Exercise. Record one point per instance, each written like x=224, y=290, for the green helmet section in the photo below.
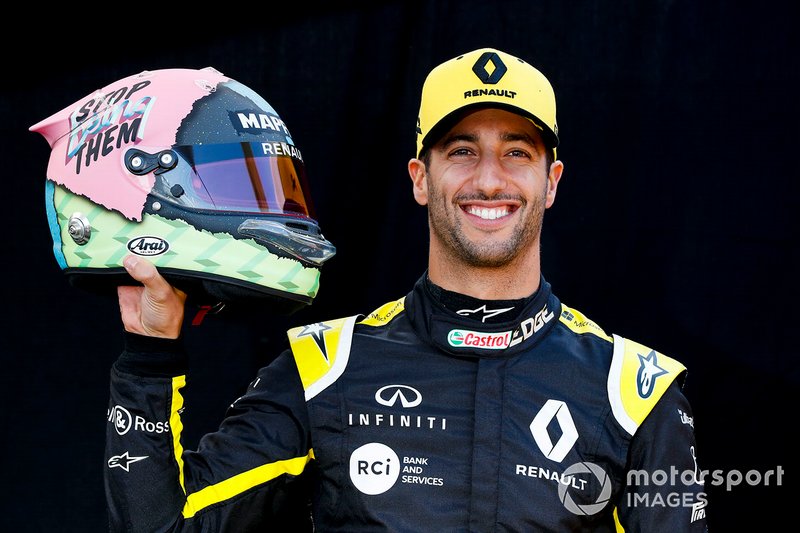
x=172, y=245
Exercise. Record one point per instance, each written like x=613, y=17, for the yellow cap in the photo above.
x=486, y=77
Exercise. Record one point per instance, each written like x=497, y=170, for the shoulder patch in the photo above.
x=385, y=313
x=636, y=381
x=577, y=322
x=321, y=351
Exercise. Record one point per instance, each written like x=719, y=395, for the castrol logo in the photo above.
x=462, y=338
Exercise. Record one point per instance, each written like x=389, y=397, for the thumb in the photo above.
x=141, y=270
x=158, y=308
x=146, y=273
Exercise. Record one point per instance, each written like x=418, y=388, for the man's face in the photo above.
x=487, y=187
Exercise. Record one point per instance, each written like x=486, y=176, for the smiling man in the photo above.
x=476, y=402
x=486, y=203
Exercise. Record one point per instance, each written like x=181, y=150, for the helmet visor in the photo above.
x=251, y=177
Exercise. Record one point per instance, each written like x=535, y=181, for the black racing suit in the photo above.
x=417, y=417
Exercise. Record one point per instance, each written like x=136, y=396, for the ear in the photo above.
x=553, y=177
x=419, y=178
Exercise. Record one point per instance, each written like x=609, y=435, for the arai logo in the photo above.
x=147, y=245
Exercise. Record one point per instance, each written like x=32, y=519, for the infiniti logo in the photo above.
x=396, y=395
x=408, y=396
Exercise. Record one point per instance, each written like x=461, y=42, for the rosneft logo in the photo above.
x=488, y=75
x=148, y=245
x=461, y=338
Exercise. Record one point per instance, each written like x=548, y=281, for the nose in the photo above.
x=490, y=176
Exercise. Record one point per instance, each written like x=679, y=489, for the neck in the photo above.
x=517, y=279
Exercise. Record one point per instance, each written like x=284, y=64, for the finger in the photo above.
x=130, y=307
x=142, y=271
x=146, y=273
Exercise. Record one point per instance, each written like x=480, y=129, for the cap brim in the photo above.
x=451, y=119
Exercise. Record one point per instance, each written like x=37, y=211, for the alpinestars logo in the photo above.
x=484, y=312
x=648, y=372
x=124, y=461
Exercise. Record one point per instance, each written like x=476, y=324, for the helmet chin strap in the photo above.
x=205, y=310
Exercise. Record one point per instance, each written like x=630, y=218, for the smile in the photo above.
x=488, y=213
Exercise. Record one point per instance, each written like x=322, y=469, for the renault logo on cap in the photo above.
x=493, y=75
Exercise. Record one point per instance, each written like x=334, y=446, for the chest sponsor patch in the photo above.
x=463, y=338
x=375, y=468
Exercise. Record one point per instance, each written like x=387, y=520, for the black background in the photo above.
x=675, y=222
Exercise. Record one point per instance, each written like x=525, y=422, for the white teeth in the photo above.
x=488, y=214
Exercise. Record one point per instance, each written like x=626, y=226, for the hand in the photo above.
x=154, y=309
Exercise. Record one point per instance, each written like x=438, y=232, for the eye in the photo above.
x=518, y=152
x=460, y=152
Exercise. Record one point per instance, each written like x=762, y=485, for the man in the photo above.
x=477, y=402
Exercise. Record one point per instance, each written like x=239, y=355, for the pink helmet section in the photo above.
x=89, y=138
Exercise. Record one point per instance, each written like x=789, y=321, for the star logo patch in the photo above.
x=317, y=332
x=648, y=372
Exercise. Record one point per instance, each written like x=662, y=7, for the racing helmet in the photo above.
x=192, y=170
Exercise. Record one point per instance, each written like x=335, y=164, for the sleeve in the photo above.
x=664, y=490
x=248, y=474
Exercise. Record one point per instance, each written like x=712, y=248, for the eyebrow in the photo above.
x=461, y=137
x=524, y=137
x=505, y=137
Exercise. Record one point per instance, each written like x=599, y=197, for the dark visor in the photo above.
x=254, y=177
